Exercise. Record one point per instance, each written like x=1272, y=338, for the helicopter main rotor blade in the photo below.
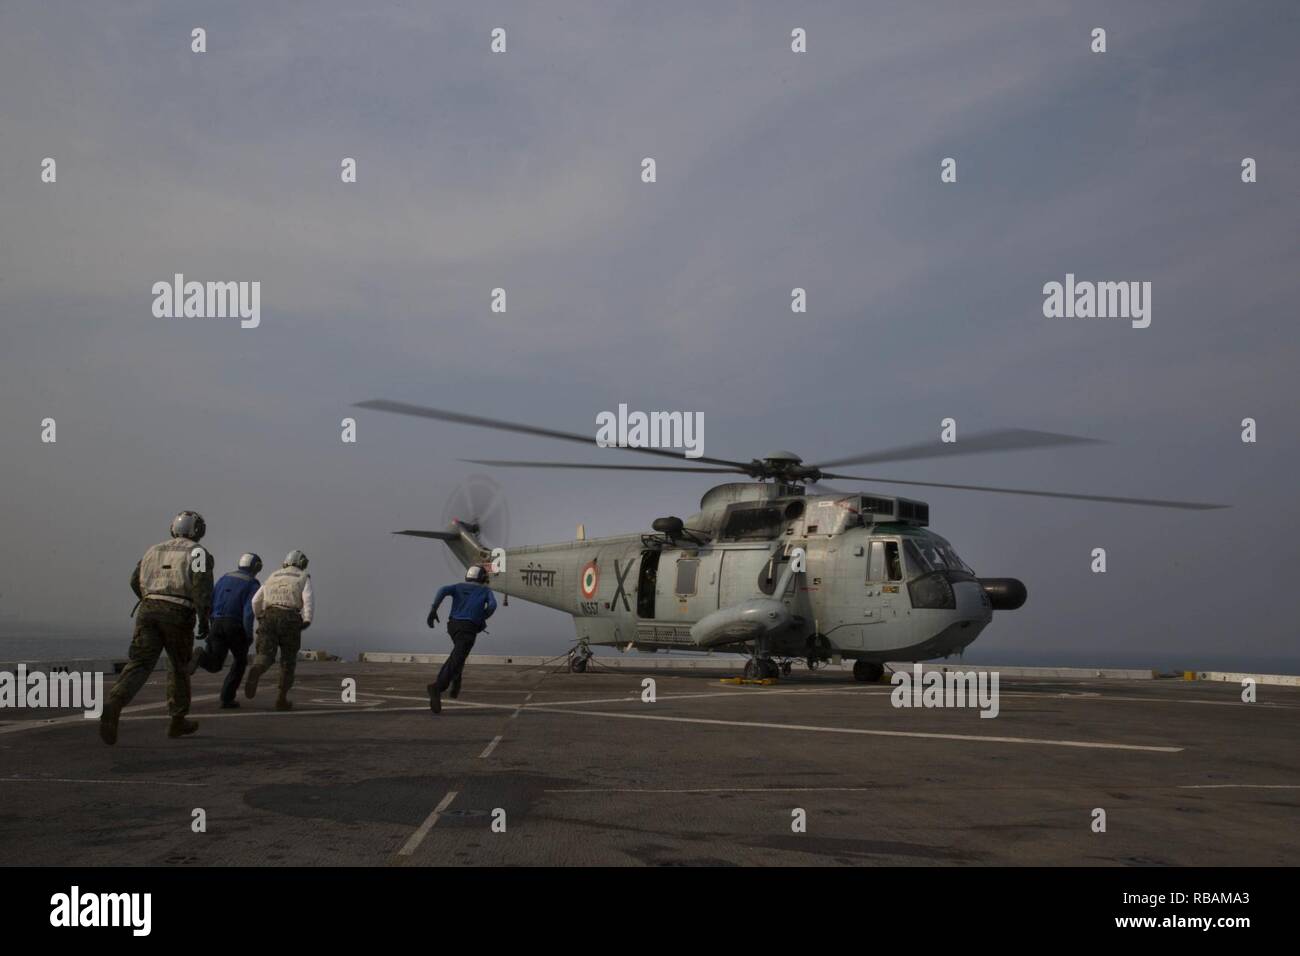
x=1110, y=499
x=1003, y=439
x=583, y=464
x=479, y=421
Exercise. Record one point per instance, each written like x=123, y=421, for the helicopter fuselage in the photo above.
x=762, y=567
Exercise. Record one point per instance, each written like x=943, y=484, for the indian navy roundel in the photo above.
x=590, y=580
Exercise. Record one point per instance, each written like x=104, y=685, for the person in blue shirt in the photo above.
x=232, y=627
x=472, y=603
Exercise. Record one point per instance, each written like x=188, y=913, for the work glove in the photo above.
x=432, y=619
x=305, y=625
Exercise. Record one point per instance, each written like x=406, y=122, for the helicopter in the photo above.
x=778, y=567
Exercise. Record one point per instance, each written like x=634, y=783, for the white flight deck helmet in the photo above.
x=474, y=574
x=295, y=559
x=189, y=524
x=250, y=562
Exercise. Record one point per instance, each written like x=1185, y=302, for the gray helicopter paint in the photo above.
x=859, y=619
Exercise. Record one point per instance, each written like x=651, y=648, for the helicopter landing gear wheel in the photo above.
x=868, y=672
x=760, y=668
x=579, y=666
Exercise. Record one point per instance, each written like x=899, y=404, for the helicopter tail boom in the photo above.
x=462, y=541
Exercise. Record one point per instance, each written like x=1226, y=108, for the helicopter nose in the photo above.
x=970, y=603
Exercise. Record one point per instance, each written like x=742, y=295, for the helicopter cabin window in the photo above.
x=749, y=524
x=688, y=569
x=884, y=563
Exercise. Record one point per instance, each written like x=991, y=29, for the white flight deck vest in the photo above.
x=165, y=573
x=284, y=588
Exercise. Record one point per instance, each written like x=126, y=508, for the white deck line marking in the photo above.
x=451, y=703
x=152, y=783
x=521, y=706
x=305, y=712
x=422, y=831
x=487, y=751
x=1174, y=700
x=360, y=702
x=699, y=790
x=1084, y=744
x=636, y=698
x=1240, y=786
x=873, y=691
x=722, y=790
x=21, y=725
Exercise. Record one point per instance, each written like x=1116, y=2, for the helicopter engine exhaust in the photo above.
x=1005, y=594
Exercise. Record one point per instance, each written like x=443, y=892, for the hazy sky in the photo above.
x=775, y=170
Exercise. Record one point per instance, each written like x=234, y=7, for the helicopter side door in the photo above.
x=685, y=589
x=647, y=582
x=844, y=609
x=885, y=597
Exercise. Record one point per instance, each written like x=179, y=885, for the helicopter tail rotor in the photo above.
x=478, y=505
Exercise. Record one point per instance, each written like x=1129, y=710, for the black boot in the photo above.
x=108, y=722
x=250, y=681
x=181, y=727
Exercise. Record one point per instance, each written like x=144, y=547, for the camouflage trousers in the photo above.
x=279, y=630
x=159, y=626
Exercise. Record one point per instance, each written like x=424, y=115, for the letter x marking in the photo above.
x=619, y=593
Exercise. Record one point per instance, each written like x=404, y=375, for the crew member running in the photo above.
x=472, y=603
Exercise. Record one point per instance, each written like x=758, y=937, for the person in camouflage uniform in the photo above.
x=173, y=582
x=283, y=606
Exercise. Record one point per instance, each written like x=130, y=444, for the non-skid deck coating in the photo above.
x=588, y=773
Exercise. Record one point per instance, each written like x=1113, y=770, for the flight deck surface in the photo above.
x=587, y=772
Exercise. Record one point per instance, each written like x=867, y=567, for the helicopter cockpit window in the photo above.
x=919, y=560
x=884, y=563
x=954, y=563
x=928, y=554
x=688, y=569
